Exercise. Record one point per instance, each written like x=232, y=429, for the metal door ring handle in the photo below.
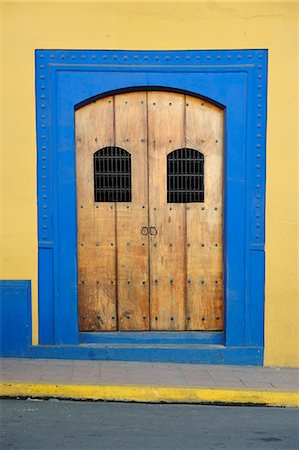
x=153, y=231
x=144, y=231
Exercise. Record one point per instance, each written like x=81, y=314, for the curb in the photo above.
x=150, y=394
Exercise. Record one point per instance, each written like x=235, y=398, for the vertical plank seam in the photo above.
x=115, y=230
x=148, y=217
x=95, y=288
x=185, y=233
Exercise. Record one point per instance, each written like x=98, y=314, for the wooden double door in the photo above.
x=149, y=213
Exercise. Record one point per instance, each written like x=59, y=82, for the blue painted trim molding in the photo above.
x=15, y=317
x=234, y=79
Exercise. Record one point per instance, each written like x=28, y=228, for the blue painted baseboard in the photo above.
x=15, y=317
x=192, y=354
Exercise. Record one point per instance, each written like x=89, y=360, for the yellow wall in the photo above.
x=141, y=25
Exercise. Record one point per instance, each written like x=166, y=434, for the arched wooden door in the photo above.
x=149, y=213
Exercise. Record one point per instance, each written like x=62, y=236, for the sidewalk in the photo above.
x=149, y=382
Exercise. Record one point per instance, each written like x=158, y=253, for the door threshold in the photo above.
x=150, y=337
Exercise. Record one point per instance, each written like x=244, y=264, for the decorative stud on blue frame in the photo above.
x=236, y=79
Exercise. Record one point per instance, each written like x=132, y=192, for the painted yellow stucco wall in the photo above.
x=148, y=26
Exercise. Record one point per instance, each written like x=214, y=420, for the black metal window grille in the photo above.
x=185, y=176
x=112, y=175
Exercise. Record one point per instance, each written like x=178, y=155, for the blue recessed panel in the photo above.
x=15, y=317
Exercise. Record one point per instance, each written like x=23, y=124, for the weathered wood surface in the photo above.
x=132, y=246
x=171, y=280
x=204, y=132
x=96, y=223
x=167, y=247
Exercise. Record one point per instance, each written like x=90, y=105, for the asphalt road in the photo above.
x=54, y=424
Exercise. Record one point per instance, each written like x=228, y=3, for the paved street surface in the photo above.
x=161, y=374
x=54, y=424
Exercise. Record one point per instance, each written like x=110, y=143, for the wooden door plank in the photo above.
x=167, y=248
x=132, y=246
x=96, y=222
x=204, y=132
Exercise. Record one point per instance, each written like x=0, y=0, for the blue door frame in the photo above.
x=237, y=80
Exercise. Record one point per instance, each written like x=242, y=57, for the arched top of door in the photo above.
x=148, y=89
